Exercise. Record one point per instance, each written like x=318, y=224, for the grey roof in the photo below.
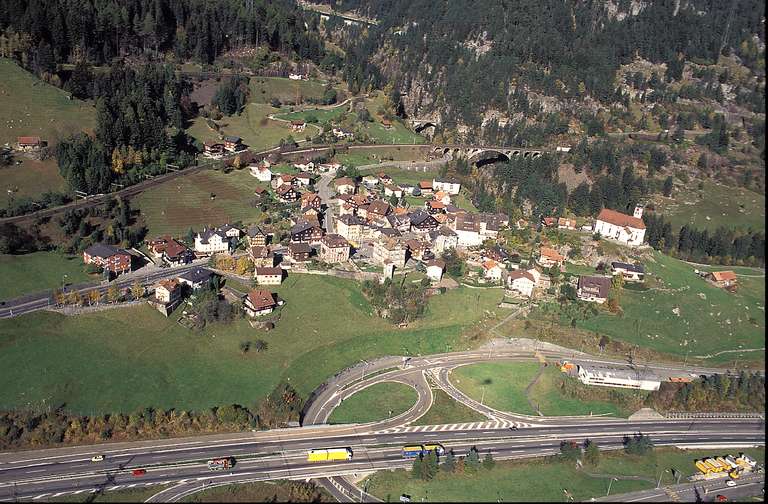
x=390, y=232
x=255, y=230
x=196, y=275
x=208, y=233
x=596, y=284
x=351, y=220
x=301, y=227
x=619, y=372
x=637, y=268
x=233, y=139
x=103, y=250
x=419, y=216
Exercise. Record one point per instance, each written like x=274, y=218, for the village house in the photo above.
x=261, y=172
x=401, y=222
x=425, y=186
x=495, y=253
x=261, y=256
x=370, y=181
x=449, y=185
x=298, y=125
x=259, y=192
x=212, y=241
x=443, y=197
x=350, y=227
x=422, y=222
x=491, y=224
x=296, y=76
x=564, y=223
x=392, y=190
x=384, y=177
x=233, y=143
x=345, y=185
x=467, y=228
x=328, y=167
x=306, y=232
x=417, y=248
x=443, y=238
x=434, y=207
x=342, y=133
x=287, y=194
x=311, y=200
x=259, y=302
x=29, y=143
x=256, y=236
x=212, y=148
x=231, y=231
x=723, y=278
x=435, y=269
x=304, y=179
x=389, y=250
x=492, y=270
x=521, y=282
x=550, y=257
x=168, y=292
x=549, y=221
x=334, y=249
x=630, y=272
x=196, y=278
x=376, y=211
x=268, y=275
x=386, y=124
x=281, y=180
x=304, y=164
x=107, y=257
x=594, y=288
x=627, y=229
x=299, y=252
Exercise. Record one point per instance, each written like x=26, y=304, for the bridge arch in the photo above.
x=484, y=156
x=418, y=128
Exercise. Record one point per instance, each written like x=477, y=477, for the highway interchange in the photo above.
x=281, y=453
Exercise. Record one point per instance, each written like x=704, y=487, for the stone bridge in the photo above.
x=479, y=153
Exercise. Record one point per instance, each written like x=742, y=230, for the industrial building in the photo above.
x=607, y=376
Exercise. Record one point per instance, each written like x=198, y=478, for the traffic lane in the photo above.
x=458, y=441
x=246, y=445
x=747, y=486
x=281, y=467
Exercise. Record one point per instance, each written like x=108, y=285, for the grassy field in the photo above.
x=267, y=491
x=23, y=274
x=264, y=89
x=375, y=403
x=30, y=178
x=322, y=115
x=373, y=156
x=540, y=480
x=445, y=410
x=714, y=205
x=29, y=106
x=147, y=360
x=498, y=385
x=175, y=206
x=708, y=319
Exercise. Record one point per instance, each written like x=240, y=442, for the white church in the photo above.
x=628, y=229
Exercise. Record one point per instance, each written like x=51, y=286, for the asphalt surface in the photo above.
x=747, y=486
x=282, y=455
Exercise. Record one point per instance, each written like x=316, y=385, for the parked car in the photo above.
x=730, y=483
x=139, y=472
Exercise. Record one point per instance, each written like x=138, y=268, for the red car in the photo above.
x=721, y=498
x=139, y=472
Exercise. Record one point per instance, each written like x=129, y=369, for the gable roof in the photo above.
x=343, y=181
x=518, y=274
x=260, y=251
x=299, y=248
x=620, y=219
x=254, y=231
x=268, y=271
x=637, y=268
x=261, y=299
x=551, y=254
x=379, y=207
x=334, y=240
x=601, y=284
x=104, y=251
x=723, y=276
x=196, y=275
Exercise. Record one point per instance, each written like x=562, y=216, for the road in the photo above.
x=747, y=486
x=325, y=192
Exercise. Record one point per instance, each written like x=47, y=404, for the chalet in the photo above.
x=283, y=179
x=233, y=143
x=350, y=227
x=384, y=177
x=328, y=167
x=392, y=190
x=549, y=221
x=306, y=232
x=287, y=194
x=261, y=256
x=341, y=134
x=400, y=222
x=627, y=229
x=261, y=172
x=231, y=231
x=259, y=192
x=157, y=246
x=259, y=302
x=422, y=222
x=492, y=270
x=443, y=197
x=425, y=186
x=345, y=185
x=211, y=241
x=29, y=143
x=376, y=211
x=630, y=272
x=417, y=248
x=298, y=125
x=521, y=282
x=212, y=148
x=370, y=181
x=196, y=278
x=467, y=228
x=177, y=253
x=434, y=207
x=443, y=238
x=304, y=164
x=449, y=185
x=549, y=257
x=168, y=292
x=389, y=250
x=268, y=275
x=435, y=269
x=496, y=253
x=299, y=252
x=107, y=257
x=564, y=223
x=304, y=179
x=334, y=249
x=723, y=278
x=256, y=236
x=594, y=288
x=408, y=189
x=311, y=200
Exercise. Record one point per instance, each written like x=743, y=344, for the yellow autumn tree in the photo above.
x=118, y=163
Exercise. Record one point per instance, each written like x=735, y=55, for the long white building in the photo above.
x=605, y=376
x=629, y=229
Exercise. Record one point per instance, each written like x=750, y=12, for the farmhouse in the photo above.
x=268, y=275
x=233, y=143
x=211, y=241
x=627, y=229
x=110, y=258
x=342, y=133
x=29, y=143
x=563, y=223
x=594, y=288
x=345, y=185
x=261, y=172
x=281, y=180
x=334, y=248
x=435, y=269
x=630, y=272
x=196, y=278
x=304, y=179
x=723, y=278
x=521, y=282
x=550, y=257
x=449, y=185
x=425, y=186
x=492, y=270
x=298, y=125
x=299, y=252
x=304, y=164
x=212, y=148
x=259, y=302
x=306, y=232
x=287, y=194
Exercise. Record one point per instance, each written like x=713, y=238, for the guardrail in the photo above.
x=684, y=414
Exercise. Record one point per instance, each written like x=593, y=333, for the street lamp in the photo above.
x=658, y=483
x=609, y=486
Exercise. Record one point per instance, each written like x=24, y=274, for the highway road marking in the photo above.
x=113, y=488
x=40, y=496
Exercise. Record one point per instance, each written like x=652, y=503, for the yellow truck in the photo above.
x=704, y=468
x=329, y=454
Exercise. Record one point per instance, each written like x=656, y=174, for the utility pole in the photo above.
x=609, y=486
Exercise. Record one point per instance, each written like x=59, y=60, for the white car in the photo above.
x=730, y=483
x=97, y=458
